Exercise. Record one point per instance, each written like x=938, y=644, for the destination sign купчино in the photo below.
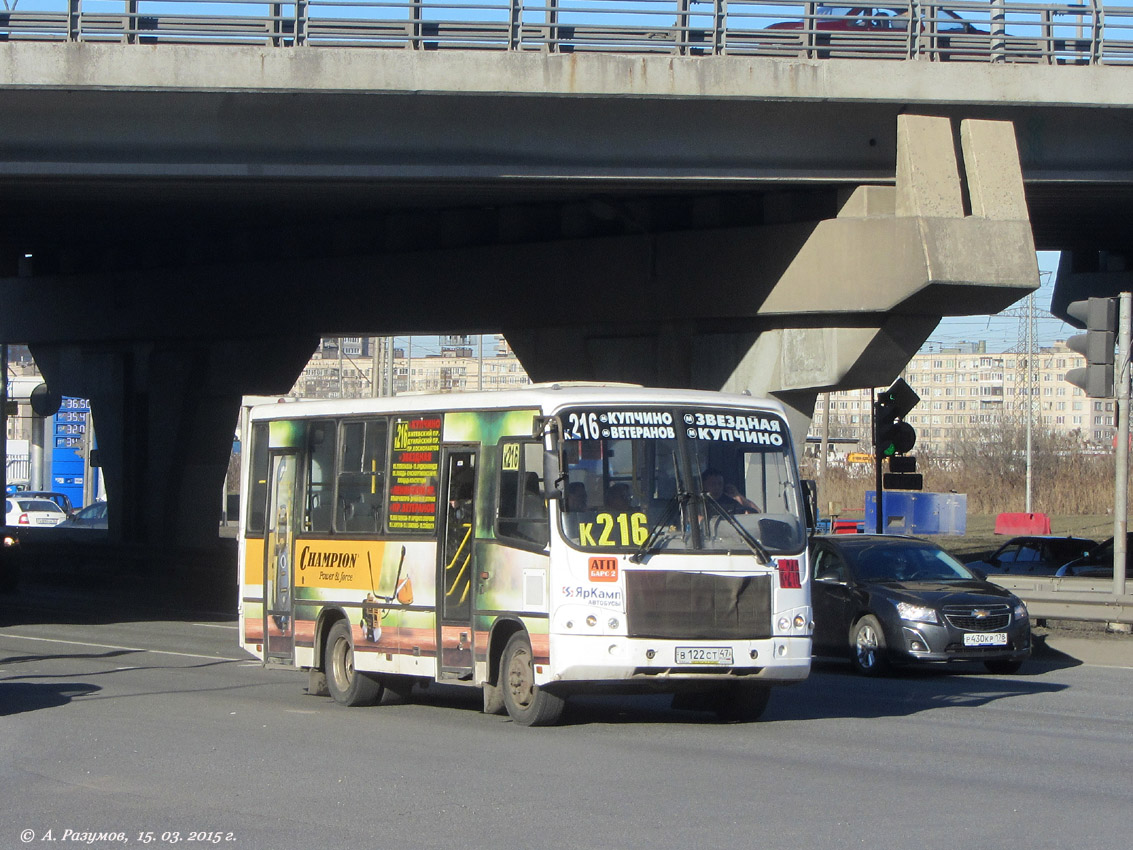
x=619, y=425
x=757, y=429
x=714, y=426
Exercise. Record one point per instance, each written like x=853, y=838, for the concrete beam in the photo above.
x=896, y=259
x=325, y=70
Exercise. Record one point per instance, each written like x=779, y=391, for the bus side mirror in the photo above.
x=810, y=502
x=548, y=429
x=553, y=478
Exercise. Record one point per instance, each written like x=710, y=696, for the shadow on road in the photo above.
x=92, y=585
x=833, y=691
x=19, y=697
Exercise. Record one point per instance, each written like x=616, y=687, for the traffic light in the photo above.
x=902, y=474
x=893, y=437
x=892, y=434
x=1099, y=315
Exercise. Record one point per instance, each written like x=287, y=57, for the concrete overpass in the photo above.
x=181, y=222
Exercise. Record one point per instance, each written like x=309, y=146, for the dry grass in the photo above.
x=1084, y=483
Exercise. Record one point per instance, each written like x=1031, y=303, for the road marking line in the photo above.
x=113, y=646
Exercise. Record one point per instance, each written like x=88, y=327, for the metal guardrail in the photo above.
x=1069, y=598
x=997, y=31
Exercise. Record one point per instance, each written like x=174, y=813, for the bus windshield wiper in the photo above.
x=761, y=553
x=658, y=529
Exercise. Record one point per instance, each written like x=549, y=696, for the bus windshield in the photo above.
x=680, y=480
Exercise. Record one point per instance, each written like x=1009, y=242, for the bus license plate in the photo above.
x=704, y=655
x=986, y=639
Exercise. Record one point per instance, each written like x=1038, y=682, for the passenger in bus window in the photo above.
x=619, y=498
x=729, y=497
x=576, y=497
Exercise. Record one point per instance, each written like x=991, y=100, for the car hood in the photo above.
x=938, y=593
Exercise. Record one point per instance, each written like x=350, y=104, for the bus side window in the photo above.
x=362, y=477
x=522, y=510
x=320, y=478
x=258, y=491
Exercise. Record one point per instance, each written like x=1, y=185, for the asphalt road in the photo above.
x=116, y=720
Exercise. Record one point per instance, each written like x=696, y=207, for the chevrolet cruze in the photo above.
x=885, y=600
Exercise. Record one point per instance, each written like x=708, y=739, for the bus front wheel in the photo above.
x=526, y=703
x=346, y=685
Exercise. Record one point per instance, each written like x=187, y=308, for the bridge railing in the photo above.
x=999, y=31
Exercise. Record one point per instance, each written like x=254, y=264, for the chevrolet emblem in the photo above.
x=980, y=613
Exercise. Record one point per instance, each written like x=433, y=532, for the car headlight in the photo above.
x=917, y=613
x=1020, y=610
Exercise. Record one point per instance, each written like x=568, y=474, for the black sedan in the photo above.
x=1098, y=562
x=886, y=599
x=1040, y=555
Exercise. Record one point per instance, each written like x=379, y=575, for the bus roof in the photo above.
x=547, y=398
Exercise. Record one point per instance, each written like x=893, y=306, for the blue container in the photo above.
x=915, y=512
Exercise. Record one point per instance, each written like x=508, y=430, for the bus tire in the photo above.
x=347, y=686
x=493, y=700
x=527, y=704
x=743, y=702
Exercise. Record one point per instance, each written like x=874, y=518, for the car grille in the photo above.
x=978, y=618
x=685, y=606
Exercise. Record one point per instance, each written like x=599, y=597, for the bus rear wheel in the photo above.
x=526, y=703
x=346, y=685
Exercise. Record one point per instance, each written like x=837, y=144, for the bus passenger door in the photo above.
x=279, y=549
x=456, y=565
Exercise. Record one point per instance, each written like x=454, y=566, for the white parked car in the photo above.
x=25, y=511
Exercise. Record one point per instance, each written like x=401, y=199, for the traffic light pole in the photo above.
x=879, y=494
x=1121, y=485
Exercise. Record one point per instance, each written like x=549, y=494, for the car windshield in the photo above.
x=667, y=479
x=41, y=505
x=887, y=561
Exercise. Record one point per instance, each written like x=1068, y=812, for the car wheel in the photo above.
x=1003, y=668
x=347, y=685
x=526, y=702
x=867, y=647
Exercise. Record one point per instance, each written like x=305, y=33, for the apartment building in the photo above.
x=440, y=365
x=966, y=390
